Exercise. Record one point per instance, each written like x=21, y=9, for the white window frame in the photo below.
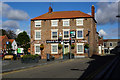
x=35, y=34
x=54, y=30
x=79, y=20
x=111, y=43
x=38, y=21
x=51, y=49
x=66, y=20
x=52, y=23
x=68, y=33
x=35, y=48
x=82, y=46
x=82, y=33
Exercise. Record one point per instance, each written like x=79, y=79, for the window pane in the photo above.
x=37, y=23
x=79, y=34
x=66, y=34
x=37, y=48
x=79, y=22
x=38, y=35
x=66, y=23
x=54, y=48
x=54, y=23
x=54, y=34
x=80, y=48
x=110, y=44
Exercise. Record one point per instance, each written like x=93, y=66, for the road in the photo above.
x=116, y=72
x=74, y=68
x=67, y=69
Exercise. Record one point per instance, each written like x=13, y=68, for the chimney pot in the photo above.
x=93, y=11
x=50, y=10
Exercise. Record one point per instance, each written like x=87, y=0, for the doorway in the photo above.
x=66, y=48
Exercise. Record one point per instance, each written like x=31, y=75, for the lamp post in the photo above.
x=88, y=42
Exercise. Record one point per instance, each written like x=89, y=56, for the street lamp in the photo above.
x=88, y=42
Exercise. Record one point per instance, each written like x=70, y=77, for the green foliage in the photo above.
x=72, y=46
x=30, y=57
x=22, y=40
x=41, y=47
x=86, y=46
x=59, y=46
x=9, y=33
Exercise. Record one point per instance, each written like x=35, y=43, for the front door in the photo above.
x=66, y=49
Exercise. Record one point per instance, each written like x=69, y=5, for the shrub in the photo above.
x=72, y=46
x=59, y=46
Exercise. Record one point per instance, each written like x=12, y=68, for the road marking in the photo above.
x=47, y=64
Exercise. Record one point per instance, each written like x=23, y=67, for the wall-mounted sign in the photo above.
x=73, y=34
x=81, y=40
x=7, y=42
x=56, y=41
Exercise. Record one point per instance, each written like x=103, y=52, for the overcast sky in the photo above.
x=16, y=15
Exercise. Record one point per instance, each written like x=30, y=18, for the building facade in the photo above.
x=3, y=44
x=110, y=44
x=47, y=28
x=14, y=45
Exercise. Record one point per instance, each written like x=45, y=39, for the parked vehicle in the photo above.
x=10, y=56
x=1, y=55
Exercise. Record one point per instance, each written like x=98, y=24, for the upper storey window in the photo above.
x=54, y=22
x=38, y=23
x=79, y=22
x=66, y=22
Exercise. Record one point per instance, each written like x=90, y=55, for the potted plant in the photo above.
x=41, y=47
x=72, y=46
x=59, y=46
x=86, y=46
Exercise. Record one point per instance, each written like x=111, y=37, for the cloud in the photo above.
x=107, y=12
x=102, y=33
x=18, y=31
x=10, y=13
x=10, y=24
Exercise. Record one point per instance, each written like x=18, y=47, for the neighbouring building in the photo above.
x=47, y=28
x=14, y=45
x=110, y=44
x=3, y=44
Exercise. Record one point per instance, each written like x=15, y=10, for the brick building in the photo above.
x=3, y=43
x=46, y=29
x=110, y=44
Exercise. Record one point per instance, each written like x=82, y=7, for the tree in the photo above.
x=23, y=41
x=9, y=33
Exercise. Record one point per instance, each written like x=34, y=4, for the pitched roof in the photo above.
x=2, y=37
x=113, y=40
x=62, y=15
x=11, y=40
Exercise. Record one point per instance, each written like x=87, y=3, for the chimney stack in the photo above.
x=93, y=11
x=50, y=10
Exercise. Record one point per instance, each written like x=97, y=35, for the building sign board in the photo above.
x=20, y=50
x=73, y=34
x=56, y=41
x=7, y=42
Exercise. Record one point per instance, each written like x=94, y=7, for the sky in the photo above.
x=16, y=15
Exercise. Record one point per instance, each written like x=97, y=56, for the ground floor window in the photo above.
x=54, y=48
x=37, y=48
x=80, y=48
